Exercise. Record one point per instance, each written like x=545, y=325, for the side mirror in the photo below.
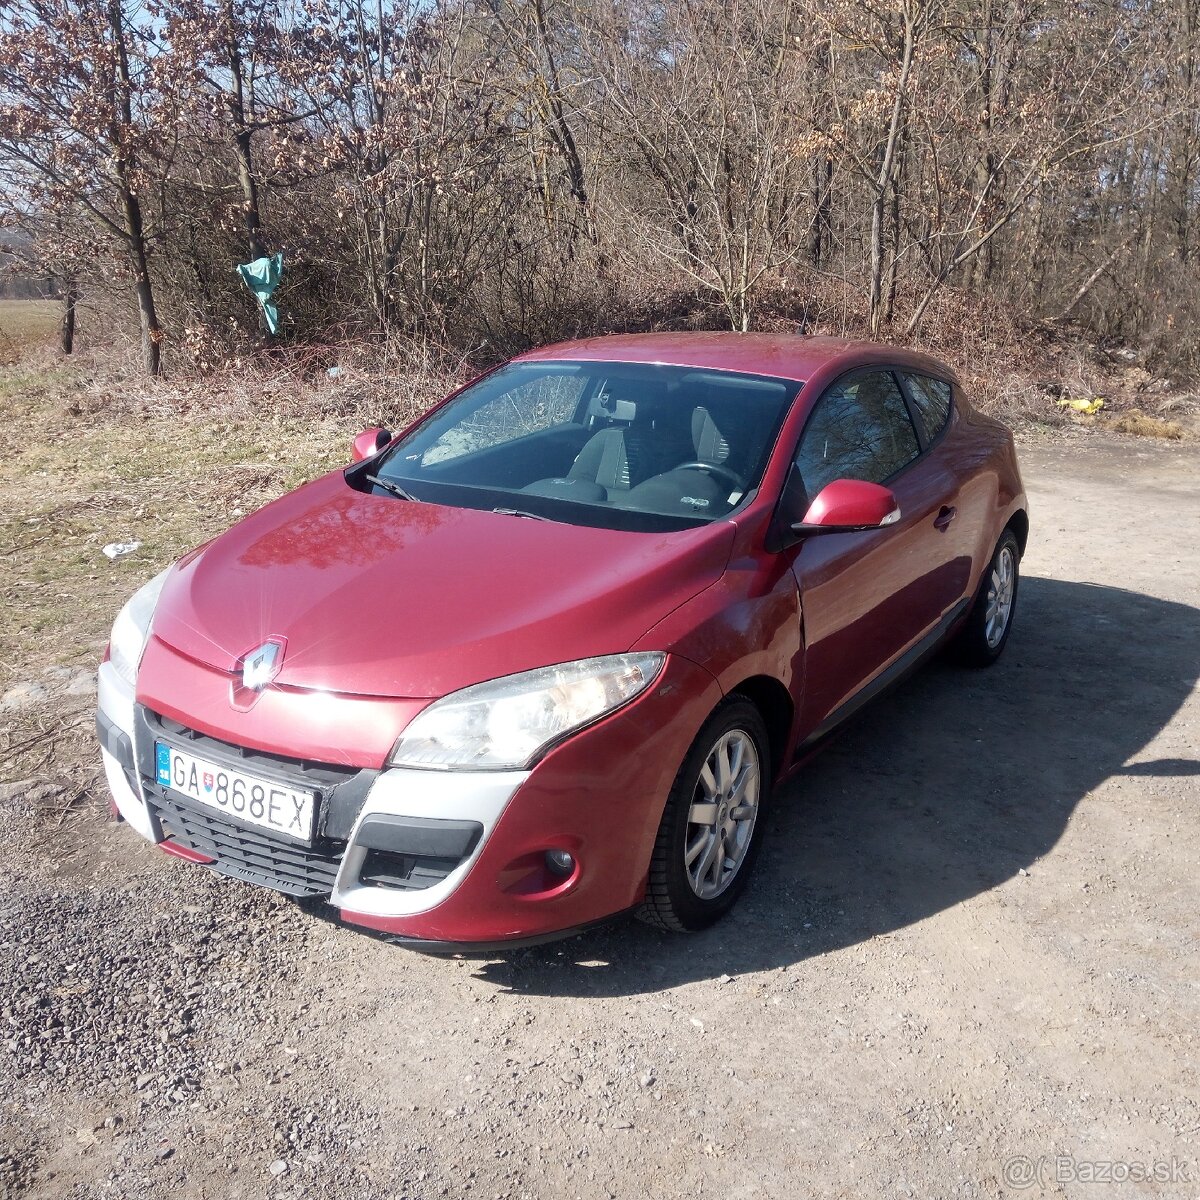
x=848, y=505
x=369, y=443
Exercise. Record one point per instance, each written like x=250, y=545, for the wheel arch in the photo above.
x=1019, y=524
x=774, y=704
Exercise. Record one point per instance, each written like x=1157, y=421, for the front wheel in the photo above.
x=983, y=638
x=711, y=826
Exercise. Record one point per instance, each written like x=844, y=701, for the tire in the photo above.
x=684, y=893
x=982, y=639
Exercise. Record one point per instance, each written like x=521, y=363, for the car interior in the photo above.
x=688, y=444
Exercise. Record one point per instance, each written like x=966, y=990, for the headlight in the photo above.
x=131, y=629
x=509, y=722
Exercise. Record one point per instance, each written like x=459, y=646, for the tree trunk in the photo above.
x=135, y=229
x=981, y=268
x=1185, y=150
x=893, y=262
x=820, y=241
x=243, y=150
x=151, y=334
x=877, y=262
x=253, y=222
x=560, y=129
x=819, y=236
x=140, y=263
x=70, y=298
x=885, y=178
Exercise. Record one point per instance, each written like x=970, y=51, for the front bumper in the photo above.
x=439, y=860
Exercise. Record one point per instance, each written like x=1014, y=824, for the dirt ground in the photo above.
x=967, y=966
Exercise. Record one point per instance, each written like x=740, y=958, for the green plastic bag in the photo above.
x=262, y=277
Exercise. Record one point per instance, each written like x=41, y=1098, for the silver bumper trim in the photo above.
x=447, y=795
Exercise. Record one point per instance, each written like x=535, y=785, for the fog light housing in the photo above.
x=560, y=863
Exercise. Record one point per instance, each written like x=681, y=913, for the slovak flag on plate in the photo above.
x=208, y=781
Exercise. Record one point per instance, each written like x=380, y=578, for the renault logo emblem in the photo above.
x=260, y=666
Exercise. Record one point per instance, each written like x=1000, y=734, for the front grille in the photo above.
x=414, y=853
x=297, y=772
x=241, y=850
x=245, y=853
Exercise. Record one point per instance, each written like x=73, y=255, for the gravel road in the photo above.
x=967, y=966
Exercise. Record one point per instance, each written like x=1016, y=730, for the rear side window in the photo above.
x=931, y=399
x=859, y=429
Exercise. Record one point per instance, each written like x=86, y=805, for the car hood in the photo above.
x=385, y=597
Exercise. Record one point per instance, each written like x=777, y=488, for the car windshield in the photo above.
x=616, y=445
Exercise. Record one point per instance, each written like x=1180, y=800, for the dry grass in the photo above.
x=89, y=459
x=1143, y=425
x=25, y=323
x=90, y=456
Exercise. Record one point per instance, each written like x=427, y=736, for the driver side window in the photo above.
x=860, y=429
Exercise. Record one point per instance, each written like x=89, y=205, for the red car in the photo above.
x=542, y=657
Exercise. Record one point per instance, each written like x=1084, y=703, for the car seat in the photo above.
x=688, y=488
x=612, y=460
x=707, y=440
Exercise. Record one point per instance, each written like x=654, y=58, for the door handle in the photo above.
x=943, y=519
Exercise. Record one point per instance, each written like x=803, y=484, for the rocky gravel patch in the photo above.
x=53, y=682
x=171, y=1009
x=79, y=1003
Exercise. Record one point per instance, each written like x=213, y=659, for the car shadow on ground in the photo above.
x=948, y=786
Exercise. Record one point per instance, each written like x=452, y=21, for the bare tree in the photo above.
x=406, y=128
x=474, y=172
x=84, y=123
x=705, y=94
x=544, y=96
x=242, y=62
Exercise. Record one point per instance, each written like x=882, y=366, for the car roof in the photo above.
x=782, y=355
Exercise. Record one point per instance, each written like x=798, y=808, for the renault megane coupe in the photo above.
x=542, y=657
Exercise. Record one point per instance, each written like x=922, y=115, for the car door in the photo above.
x=868, y=597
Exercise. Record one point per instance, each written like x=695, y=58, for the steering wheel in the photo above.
x=715, y=469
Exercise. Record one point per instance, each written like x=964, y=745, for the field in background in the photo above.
x=25, y=323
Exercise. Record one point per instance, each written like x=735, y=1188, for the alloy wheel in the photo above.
x=723, y=813
x=1001, y=587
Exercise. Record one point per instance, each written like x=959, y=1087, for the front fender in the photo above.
x=747, y=624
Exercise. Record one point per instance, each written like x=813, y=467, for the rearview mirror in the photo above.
x=369, y=443
x=848, y=505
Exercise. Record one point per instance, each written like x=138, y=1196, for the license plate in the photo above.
x=245, y=797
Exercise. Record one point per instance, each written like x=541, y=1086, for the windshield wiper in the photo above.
x=394, y=488
x=519, y=512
